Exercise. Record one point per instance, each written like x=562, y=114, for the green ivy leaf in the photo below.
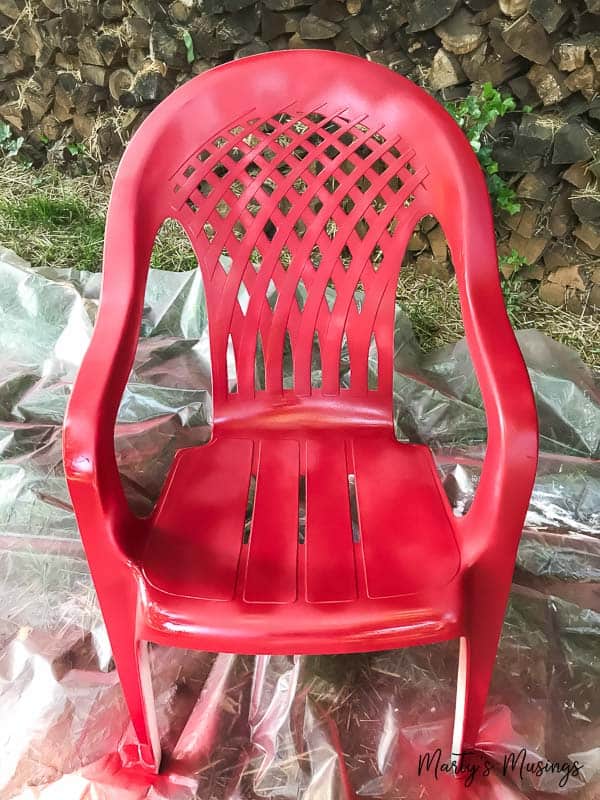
x=514, y=259
x=475, y=114
x=189, y=46
x=75, y=149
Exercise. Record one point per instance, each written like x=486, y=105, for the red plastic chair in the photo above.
x=293, y=173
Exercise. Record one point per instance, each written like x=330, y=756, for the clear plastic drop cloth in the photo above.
x=371, y=725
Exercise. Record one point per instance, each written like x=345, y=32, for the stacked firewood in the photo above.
x=78, y=76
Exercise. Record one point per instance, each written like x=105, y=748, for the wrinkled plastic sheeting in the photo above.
x=320, y=728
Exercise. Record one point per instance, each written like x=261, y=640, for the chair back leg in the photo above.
x=486, y=599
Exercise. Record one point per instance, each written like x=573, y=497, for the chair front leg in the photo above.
x=120, y=604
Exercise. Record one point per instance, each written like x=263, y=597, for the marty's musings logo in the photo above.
x=515, y=763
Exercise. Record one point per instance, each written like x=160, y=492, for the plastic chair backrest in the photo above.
x=301, y=218
x=299, y=200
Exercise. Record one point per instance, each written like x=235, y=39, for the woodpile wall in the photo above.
x=88, y=71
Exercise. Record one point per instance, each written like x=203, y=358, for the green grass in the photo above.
x=54, y=220
x=48, y=230
x=41, y=211
x=50, y=219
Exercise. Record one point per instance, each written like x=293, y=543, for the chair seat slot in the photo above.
x=406, y=534
x=273, y=548
x=330, y=569
x=197, y=530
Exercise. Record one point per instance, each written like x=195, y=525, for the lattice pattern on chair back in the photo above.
x=299, y=222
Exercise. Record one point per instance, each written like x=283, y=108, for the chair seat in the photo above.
x=330, y=524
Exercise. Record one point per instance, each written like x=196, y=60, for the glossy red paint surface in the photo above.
x=299, y=177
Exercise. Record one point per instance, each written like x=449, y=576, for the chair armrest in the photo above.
x=496, y=516
x=457, y=196
x=104, y=518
